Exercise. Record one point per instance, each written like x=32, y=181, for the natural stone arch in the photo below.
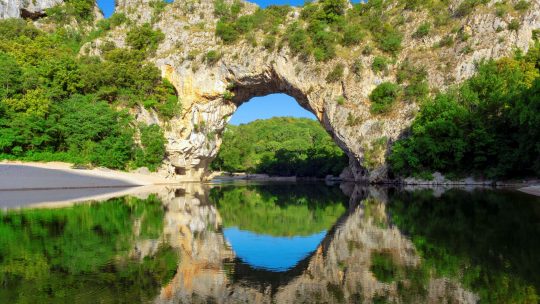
x=209, y=117
x=342, y=107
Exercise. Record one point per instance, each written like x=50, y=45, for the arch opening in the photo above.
x=209, y=106
x=269, y=106
x=276, y=135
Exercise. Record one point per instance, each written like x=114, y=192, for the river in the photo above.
x=275, y=243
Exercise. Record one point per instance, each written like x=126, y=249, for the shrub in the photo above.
x=158, y=7
x=11, y=80
x=417, y=90
x=144, y=38
x=228, y=95
x=323, y=42
x=333, y=9
x=379, y=64
x=383, y=97
x=352, y=35
x=212, y=57
x=269, y=42
x=501, y=9
x=152, y=147
x=221, y=9
x=390, y=40
x=227, y=32
x=336, y=74
x=117, y=19
x=513, y=25
x=244, y=24
x=423, y=30
x=467, y=6
x=298, y=40
x=522, y=5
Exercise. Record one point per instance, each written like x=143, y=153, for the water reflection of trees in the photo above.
x=84, y=253
x=485, y=239
x=364, y=259
x=388, y=246
x=279, y=210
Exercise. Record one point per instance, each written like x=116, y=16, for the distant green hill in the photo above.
x=281, y=146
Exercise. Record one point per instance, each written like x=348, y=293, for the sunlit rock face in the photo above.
x=25, y=8
x=248, y=71
x=345, y=267
x=211, y=92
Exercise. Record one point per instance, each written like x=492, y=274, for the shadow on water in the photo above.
x=373, y=245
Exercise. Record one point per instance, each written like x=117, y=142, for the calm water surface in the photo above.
x=276, y=243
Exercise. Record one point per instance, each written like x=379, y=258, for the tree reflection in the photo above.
x=83, y=253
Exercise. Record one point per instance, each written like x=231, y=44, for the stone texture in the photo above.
x=194, y=136
x=14, y=8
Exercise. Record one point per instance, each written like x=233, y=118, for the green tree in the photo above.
x=280, y=146
x=383, y=97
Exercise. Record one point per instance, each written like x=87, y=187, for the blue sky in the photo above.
x=259, y=107
x=269, y=106
x=107, y=6
x=271, y=252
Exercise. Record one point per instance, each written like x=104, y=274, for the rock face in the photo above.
x=25, y=8
x=211, y=91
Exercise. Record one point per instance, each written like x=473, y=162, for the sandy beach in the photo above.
x=37, y=176
x=24, y=184
x=534, y=190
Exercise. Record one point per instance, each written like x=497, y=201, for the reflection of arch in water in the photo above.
x=247, y=275
x=340, y=267
x=280, y=210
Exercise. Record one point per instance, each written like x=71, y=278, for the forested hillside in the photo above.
x=489, y=126
x=56, y=104
x=281, y=146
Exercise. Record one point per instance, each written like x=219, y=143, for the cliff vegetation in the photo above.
x=59, y=105
x=488, y=126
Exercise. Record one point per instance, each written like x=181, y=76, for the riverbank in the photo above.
x=533, y=190
x=221, y=176
x=16, y=175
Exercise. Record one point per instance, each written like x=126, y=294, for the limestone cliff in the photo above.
x=211, y=90
x=25, y=8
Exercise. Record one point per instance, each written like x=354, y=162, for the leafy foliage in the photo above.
x=144, y=38
x=82, y=253
x=81, y=10
x=57, y=105
x=488, y=125
x=280, y=146
x=152, y=149
x=383, y=97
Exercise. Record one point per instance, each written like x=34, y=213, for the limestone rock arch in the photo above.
x=210, y=92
